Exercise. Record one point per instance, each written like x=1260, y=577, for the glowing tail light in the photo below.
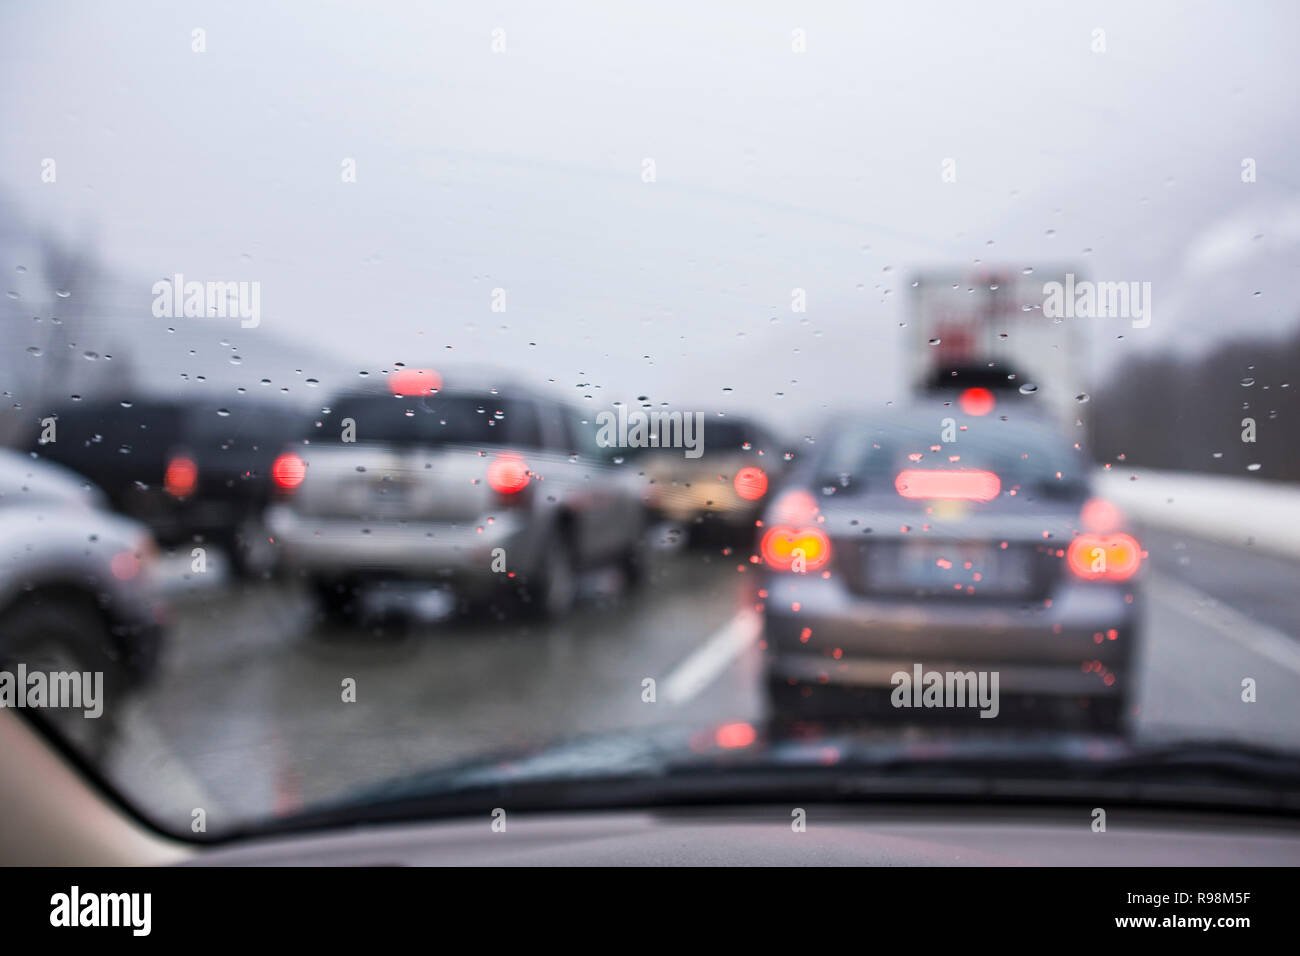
x=288, y=471
x=750, y=483
x=1113, y=557
x=181, y=477
x=733, y=736
x=789, y=549
x=125, y=565
x=508, y=475
x=1100, y=516
x=414, y=381
x=933, y=485
x=976, y=401
x=795, y=507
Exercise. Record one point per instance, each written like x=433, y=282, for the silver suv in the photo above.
x=78, y=587
x=499, y=495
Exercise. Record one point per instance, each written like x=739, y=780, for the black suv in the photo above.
x=191, y=470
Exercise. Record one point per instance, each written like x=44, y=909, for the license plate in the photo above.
x=936, y=567
x=389, y=494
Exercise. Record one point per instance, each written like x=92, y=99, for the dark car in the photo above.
x=191, y=470
x=936, y=542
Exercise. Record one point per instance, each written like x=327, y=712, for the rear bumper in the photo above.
x=1081, y=643
x=462, y=552
x=173, y=522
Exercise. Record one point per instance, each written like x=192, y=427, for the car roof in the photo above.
x=920, y=416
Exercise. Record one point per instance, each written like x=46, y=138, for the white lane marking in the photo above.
x=1232, y=624
x=712, y=657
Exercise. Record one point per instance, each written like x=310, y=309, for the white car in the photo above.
x=483, y=493
x=77, y=582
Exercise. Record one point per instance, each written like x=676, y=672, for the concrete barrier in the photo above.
x=1245, y=512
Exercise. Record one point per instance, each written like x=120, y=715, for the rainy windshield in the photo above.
x=412, y=389
x=864, y=456
x=425, y=420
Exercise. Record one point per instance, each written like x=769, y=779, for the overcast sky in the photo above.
x=774, y=170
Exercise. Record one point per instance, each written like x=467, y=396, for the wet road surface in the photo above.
x=247, y=718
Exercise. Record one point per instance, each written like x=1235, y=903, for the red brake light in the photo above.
x=288, y=471
x=125, y=565
x=795, y=507
x=976, y=401
x=1100, y=516
x=508, y=474
x=779, y=545
x=1114, y=556
x=732, y=736
x=414, y=381
x=969, y=485
x=181, y=477
x=750, y=483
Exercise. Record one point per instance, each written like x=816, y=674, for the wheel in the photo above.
x=250, y=550
x=338, y=601
x=635, y=560
x=633, y=565
x=552, y=589
x=61, y=632
x=784, y=701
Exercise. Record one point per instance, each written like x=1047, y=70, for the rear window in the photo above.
x=861, y=458
x=244, y=427
x=122, y=436
x=431, y=420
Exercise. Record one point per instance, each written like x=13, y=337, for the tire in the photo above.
x=552, y=589
x=784, y=702
x=338, y=601
x=252, y=557
x=62, y=630
x=633, y=565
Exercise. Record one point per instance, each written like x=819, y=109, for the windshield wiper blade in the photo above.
x=653, y=769
x=1237, y=762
